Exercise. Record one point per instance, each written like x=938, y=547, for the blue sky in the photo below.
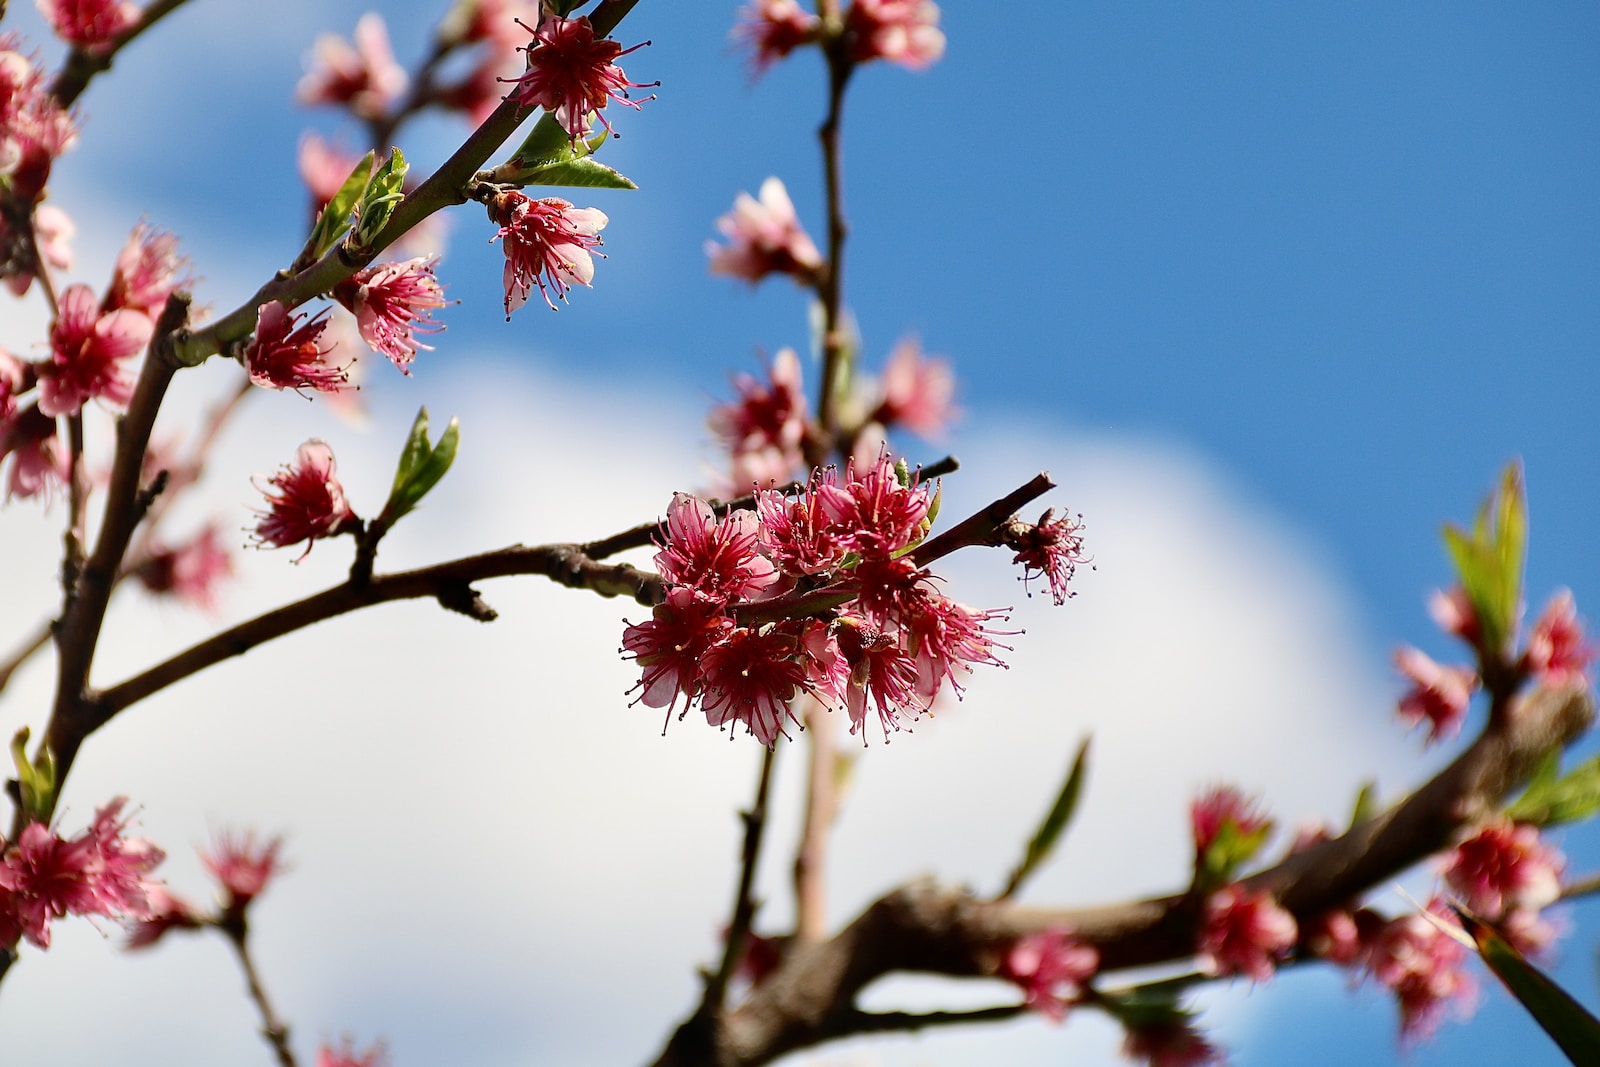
x=1347, y=255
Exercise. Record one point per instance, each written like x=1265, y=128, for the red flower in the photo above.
x=391, y=304
x=1052, y=548
x=771, y=29
x=34, y=129
x=765, y=237
x=1052, y=967
x=89, y=24
x=346, y=1056
x=717, y=557
x=191, y=571
x=1439, y=695
x=763, y=429
x=1557, y=654
x=284, y=353
x=1424, y=967
x=548, y=243
x=670, y=644
x=918, y=392
x=148, y=270
x=751, y=677
x=1224, y=806
x=901, y=31
x=366, y=78
x=241, y=865
x=1244, y=933
x=1505, y=866
x=86, y=353
x=305, y=501
x=571, y=73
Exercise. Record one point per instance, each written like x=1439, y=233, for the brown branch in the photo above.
x=273, y=1029
x=830, y=288
x=821, y=812
x=25, y=651
x=937, y=929
x=982, y=528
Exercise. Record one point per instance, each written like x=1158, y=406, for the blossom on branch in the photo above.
x=1557, y=654
x=148, y=270
x=391, y=303
x=87, y=349
x=1244, y=932
x=34, y=129
x=1051, y=547
x=1505, y=866
x=548, y=243
x=771, y=29
x=91, y=25
x=305, y=502
x=918, y=392
x=572, y=73
x=1438, y=695
x=1052, y=967
x=241, y=865
x=39, y=463
x=763, y=430
x=285, y=354
x=765, y=237
x=366, y=78
x=1424, y=967
x=902, y=31
x=191, y=571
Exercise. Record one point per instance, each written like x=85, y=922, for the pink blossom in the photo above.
x=391, y=304
x=548, y=243
x=571, y=73
x=1503, y=866
x=1170, y=1044
x=15, y=378
x=284, y=353
x=1439, y=695
x=669, y=646
x=1529, y=931
x=1557, y=653
x=86, y=353
x=148, y=270
x=796, y=535
x=34, y=129
x=241, y=865
x=880, y=670
x=902, y=31
x=191, y=571
x=489, y=21
x=918, y=391
x=1244, y=932
x=1424, y=967
x=750, y=677
x=366, y=77
x=767, y=420
x=718, y=557
x=1225, y=807
x=99, y=872
x=39, y=463
x=305, y=501
x=91, y=25
x=883, y=515
x=946, y=636
x=1051, y=547
x=1052, y=967
x=54, y=230
x=1335, y=936
x=166, y=913
x=345, y=1055
x=765, y=237
x=771, y=29
x=1452, y=610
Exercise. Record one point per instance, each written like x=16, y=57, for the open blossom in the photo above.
x=771, y=29
x=285, y=354
x=38, y=461
x=1439, y=695
x=305, y=501
x=1221, y=807
x=1424, y=967
x=764, y=237
x=750, y=677
x=764, y=428
x=1170, y=1044
x=34, y=129
x=87, y=349
x=1051, y=547
x=717, y=557
x=548, y=243
x=902, y=31
x=391, y=303
x=918, y=391
x=1052, y=967
x=1244, y=932
x=366, y=77
x=345, y=1055
x=241, y=865
x=148, y=270
x=669, y=646
x=1557, y=653
x=166, y=913
x=191, y=571
x=1505, y=866
x=572, y=73
x=1452, y=610
x=89, y=24
x=99, y=872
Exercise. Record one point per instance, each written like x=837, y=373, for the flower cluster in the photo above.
x=1424, y=966
x=305, y=501
x=573, y=74
x=812, y=594
x=548, y=243
x=34, y=129
x=44, y=876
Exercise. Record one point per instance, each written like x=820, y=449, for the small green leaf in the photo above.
x=36, y=779
x=1552, y=799
x=1231, y=848
x=335, y=215
x=378, y=202
x=1489, y=559
x=421, y=467
x=1567, y=1022
x=1054, y=824
x=549, y=142
x=584, y=173
x=1366, y=804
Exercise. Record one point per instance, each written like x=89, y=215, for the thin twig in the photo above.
x=744, y=904
x=982, y=528
x=24, y=652
x=822, y=795
x=274, y=1029
x=81, y=66
x=835, y=372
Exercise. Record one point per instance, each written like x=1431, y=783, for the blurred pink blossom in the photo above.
x=91, y=25
x=771, y=29
x=1438, y=695
x=1052, y=967
x=305, y=501
x=1504, y=866
x=901, y=31
x=764, y=237
x=1557, y=653
x=1244, y=932
x=365, y=78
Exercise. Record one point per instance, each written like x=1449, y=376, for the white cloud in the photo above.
x=497, y=860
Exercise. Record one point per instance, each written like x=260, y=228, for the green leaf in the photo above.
x=1231, y=848
x=584, y=173
x=1552, y=799
x=1489, y=559
x=378, y=202
x=36, y=779
x=1567, y=1022
x=1366, y=804
x=1054, y=824
x=335, y=216
x=421, y=467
